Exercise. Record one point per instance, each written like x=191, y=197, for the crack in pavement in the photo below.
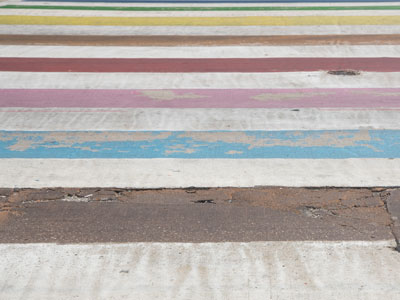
x=392, y=206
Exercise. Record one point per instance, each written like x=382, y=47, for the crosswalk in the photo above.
x=131, y=95
x=224, y=81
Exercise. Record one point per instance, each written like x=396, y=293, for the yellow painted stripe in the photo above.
x=202, y=21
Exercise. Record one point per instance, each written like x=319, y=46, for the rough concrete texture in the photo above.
x=347, y=270
x=196, y=215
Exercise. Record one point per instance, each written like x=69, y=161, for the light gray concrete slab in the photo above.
x=264, y=270
x=178, y=173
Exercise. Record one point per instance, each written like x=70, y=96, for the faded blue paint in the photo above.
x=220, y=144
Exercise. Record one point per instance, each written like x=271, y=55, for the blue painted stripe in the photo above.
x=209, y=144
x=220, y=1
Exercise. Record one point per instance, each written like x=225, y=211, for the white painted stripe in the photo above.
x=200, y=52
x=345, y=270
x=197, y=30
x=117, y=4
x=179, y=173
x=101, y=13
x=175, y=119
x=69, y=80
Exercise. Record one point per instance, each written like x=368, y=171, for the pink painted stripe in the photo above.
x=202, y=98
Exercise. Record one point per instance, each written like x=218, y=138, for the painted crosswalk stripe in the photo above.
x=242, y=2
x=191, y=4
x=383, y=98
x=201, y=21
x=194, y=13
x=204, y=65
x=185, y=7
x=333, y=40
x=207, y=145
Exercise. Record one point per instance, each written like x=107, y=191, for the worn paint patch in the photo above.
x=375, y=92
x=273, y=96
x=290, y=138
x=168, y=95
x=234, y=152
x=202, y=144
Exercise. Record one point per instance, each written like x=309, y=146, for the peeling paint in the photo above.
x=187, y=151
x=293, y=139
x=179, y=148
x=234, y=152
x=25, y=141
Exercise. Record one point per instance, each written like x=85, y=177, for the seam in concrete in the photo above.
x=387, y=197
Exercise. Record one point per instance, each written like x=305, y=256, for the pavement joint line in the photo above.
x=392, y=205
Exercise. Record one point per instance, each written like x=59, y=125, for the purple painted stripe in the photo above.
x=203, y=98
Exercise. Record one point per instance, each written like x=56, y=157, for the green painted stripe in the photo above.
x=267, y=8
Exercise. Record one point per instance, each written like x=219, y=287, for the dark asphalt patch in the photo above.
x=196, y=215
